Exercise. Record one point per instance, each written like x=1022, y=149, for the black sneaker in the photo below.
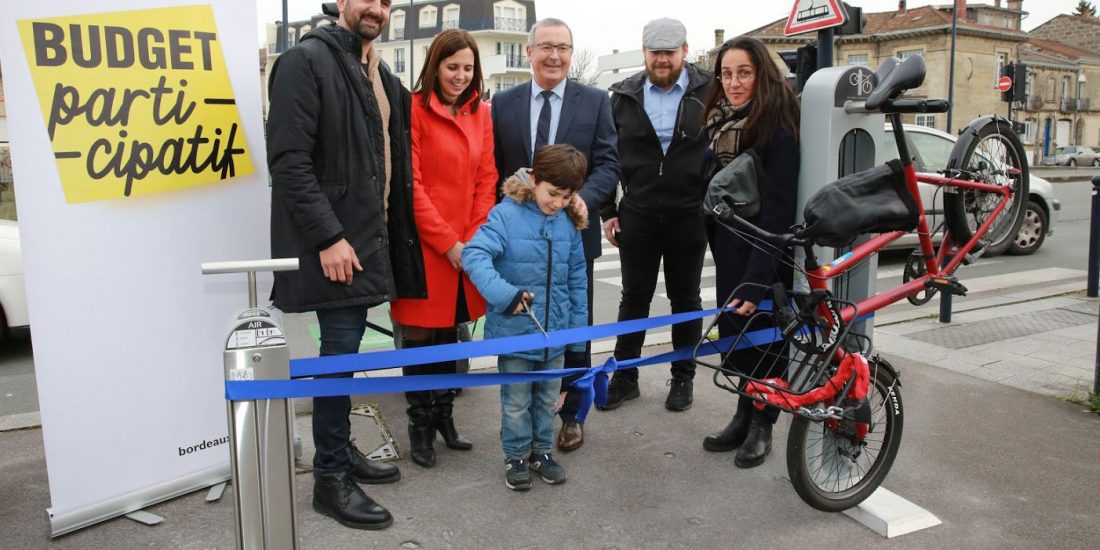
x=516, y=475
x=679, y=394
x=620, y=389
x=548, y=468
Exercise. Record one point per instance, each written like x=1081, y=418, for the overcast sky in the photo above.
x=603, y=25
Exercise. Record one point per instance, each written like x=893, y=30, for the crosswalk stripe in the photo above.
x=708, y=271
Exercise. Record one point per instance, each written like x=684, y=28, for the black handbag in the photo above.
x=736, y=187
x=876, y=200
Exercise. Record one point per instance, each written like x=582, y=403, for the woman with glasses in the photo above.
x=753, y=108
x=454, y=187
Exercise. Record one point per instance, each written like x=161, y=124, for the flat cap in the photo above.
x=664, y=34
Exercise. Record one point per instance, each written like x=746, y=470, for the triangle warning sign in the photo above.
x=814, y=15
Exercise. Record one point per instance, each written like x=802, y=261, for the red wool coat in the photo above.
x=454, y=187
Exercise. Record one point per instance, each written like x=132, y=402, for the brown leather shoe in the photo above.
x=571, y=436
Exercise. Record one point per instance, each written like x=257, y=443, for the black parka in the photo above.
x=326, y=156
x=655, y=181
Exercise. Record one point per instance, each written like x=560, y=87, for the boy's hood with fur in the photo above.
x=521, y=189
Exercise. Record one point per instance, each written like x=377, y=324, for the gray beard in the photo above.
x=664, y=82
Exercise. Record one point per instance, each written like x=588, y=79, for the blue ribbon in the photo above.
x=592, y=384
x=337, y=364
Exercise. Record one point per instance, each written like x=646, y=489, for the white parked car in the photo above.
x=13, y=296
x=932, y=148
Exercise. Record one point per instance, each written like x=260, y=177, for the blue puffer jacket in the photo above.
x=521, y=249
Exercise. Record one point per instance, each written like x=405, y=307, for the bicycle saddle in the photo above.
x=893, y=78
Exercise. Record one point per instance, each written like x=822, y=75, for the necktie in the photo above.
x=542, y=134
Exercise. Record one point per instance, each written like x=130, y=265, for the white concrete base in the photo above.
x=891, y=515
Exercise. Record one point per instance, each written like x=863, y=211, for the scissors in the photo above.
x=531, y=314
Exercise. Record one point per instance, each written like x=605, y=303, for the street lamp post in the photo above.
x=282, y=39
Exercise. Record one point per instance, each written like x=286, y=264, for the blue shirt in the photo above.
x=555, y=111
x=661, y=106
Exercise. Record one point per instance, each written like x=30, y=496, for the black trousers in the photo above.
x=647, y=239
x=572, y=402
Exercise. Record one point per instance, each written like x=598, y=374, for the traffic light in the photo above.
x=1019, y=83
x=854, y=23
x=806, y=65
x=1017, y=72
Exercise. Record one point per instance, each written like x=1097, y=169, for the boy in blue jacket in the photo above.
x=528, y=257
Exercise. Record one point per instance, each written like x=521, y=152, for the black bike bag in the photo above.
x=872, y=201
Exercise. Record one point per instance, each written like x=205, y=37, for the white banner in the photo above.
x=138, y=153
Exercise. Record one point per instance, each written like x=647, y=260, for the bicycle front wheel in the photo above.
x=829, y=468
x=987, y=151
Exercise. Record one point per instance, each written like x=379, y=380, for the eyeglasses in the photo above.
x=742, y=76
x=547, y=49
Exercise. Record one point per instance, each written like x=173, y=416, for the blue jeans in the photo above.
x=526, y=410
x=341, y=332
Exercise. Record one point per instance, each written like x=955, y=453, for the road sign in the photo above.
x=1004, y=84
x=814, y=15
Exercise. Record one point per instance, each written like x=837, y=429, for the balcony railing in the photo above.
x=1083, y=104
x=1067, y=105
x=1035, y=103
x=399, y=33
x=508, y=24
x=516, y=61
x=450, y=24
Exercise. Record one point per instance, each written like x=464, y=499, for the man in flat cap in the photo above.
x=662, y=146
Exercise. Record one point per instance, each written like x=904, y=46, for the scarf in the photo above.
x=725, y=126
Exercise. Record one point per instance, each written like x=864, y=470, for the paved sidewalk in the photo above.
x=1046, y=346
x=986, y=449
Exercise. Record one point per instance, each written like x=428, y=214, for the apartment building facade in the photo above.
x=500, y=28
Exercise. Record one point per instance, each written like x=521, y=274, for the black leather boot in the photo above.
x=757, y=444
x=338, y=497
x=443, y=421
x=421, y=430
x=734, y=434
x=365, y=470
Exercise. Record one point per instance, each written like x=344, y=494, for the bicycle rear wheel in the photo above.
x=987, y=151
x=829, y=469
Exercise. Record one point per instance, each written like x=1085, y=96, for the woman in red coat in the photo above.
x=454, y=187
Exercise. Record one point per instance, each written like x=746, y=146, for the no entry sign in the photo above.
x=1004, y=84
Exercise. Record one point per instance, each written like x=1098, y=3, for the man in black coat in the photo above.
x=339, y=151
x=662, y=149
x=552, y=109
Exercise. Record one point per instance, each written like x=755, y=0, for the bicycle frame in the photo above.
x=820, y=275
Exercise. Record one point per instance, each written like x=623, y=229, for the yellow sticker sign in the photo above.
x=136, y=102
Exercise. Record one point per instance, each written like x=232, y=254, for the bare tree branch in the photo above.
x=582, y=68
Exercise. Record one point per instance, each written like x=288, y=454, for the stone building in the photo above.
x=1063, y=59
x=499, y=26
x=988, y=37
x=1079, y=31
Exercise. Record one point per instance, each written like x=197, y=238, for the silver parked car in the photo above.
x=1073, y=155
x=932, y=148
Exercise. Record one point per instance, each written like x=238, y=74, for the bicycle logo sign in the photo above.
x=855, y=84
x=861, y=81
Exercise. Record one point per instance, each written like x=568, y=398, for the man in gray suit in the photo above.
x=552, y=109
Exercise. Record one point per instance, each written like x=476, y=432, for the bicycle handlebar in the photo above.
x=781, y=241
x=901, y=106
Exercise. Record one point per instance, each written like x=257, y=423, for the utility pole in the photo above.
x=945, y=297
